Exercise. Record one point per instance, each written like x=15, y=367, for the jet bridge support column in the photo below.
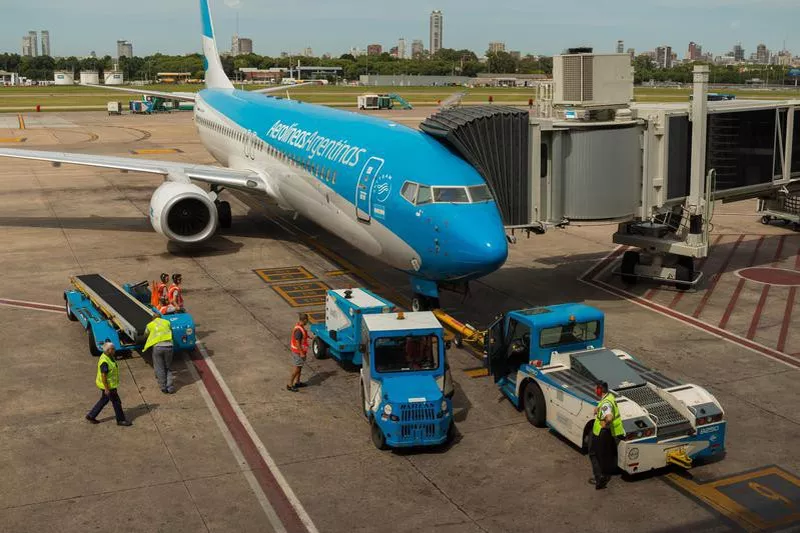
x=669, y=241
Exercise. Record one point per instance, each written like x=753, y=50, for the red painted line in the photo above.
x=787, y=316
x=739, y=286
x=31, y=305
x=715, y=279
x=700, y=265
x=751, y=332
x=277, y=498
x=713, y=330
x=607, y=260
x=650, y=293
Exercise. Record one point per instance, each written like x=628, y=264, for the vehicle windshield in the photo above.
x=569, y=334
x=406, y=353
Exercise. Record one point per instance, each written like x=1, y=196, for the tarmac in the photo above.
x=232, y=450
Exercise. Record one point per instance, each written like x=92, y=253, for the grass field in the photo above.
x=15, y=99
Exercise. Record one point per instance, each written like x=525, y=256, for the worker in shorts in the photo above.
x=175, y=292
x=606, y=431
x=107, y=381
x=299, y=347
x=159, y=337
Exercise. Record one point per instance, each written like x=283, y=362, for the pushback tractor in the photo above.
x=406, y=387
x=547, y=361
x=119, y=315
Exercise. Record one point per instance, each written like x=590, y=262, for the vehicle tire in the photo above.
x=766, y=219
x=378, y=438
x=224, y=215
x=533, y=404
x=587, y=439
x=684, y=271
x=363, y=400
x=319, y=348
x=70, y=315
x=451, y=433
x=419, y=303
x=629, y=261
x=92, y=343
x=458, y=341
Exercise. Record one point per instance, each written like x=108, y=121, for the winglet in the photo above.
x=215, y=74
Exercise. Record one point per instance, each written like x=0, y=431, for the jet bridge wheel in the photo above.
x=224, y=214
x=628, y=268
x=684, y=272
x=534, y=404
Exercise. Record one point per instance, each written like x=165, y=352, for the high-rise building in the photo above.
x=664, y=57
x=620, y=46
x=394, y=52
x=738, y=52
x=515, y=54
x=26, y=46
x=34, y=43
x=436, y=31
x=241, y=45
x=401, y=48
x=631, y=52
x=417, y=49
x=374, y=49
x=45, y=43
x=695, y=52
x=124, y=49
x=497, y=46
x=308, y=52
x=762, y=54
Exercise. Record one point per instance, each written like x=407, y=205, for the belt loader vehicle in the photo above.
x=406, y=387
x=547, y=361
x=110, y=313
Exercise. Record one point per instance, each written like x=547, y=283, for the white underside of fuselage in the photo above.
x=297, y=190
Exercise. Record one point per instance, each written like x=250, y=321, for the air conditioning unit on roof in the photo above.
x=592, y=80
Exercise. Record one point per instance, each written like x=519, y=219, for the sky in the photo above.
x=334, y=26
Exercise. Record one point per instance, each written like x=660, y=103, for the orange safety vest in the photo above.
x=175, y=296
x=163, y=309
x=299, y=347
x=159, y=291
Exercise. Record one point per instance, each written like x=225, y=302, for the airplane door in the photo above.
x=364, y=187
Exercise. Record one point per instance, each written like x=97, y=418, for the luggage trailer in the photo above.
x=110, y=313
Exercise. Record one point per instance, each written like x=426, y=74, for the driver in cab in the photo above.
x=418, y=353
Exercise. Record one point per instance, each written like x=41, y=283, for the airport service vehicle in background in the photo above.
x=403, y=380
x=114, y=108
x=110, y=313
x=547, y=360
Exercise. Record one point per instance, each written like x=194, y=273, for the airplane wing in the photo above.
x=182, y=96
x=174, y=170
x=280, y=88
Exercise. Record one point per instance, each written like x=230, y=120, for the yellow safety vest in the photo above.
x=616, y=421
x=112, y=376
x=158, y=330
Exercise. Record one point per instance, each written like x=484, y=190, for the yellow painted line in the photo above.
x=21, y=121
x=477, y=372
x=275, y=275
x=13, y=139
x=336, y=273
x=312, y=294
x=149, y=151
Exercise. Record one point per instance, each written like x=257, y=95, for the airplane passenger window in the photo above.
x=453, y=195
x=480, y=193
x=409, y=191
x=424, y=195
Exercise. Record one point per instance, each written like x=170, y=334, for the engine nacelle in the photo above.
x=183, y=212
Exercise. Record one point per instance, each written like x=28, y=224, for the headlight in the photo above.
x=444, y=406
x=387, y=409
x=633, y=454
x=189, y=331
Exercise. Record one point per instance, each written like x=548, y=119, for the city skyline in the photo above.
x=528, y=28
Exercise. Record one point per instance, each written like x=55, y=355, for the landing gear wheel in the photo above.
x=684, y=272
x=92, y=343
x=629, y=261
x=420, y=302
x=534, y=405
x=378, y=439
x=224, y=215
x=70, y=316
x=766, y=219
x=319, y=348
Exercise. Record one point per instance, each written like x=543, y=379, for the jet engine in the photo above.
x=183, y=212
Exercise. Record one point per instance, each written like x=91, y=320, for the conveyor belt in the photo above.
x=120, y=302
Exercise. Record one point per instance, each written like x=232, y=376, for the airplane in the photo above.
x=393, y=192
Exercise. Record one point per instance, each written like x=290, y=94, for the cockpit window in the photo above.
x=450, y=195
x=409, y=191
x=424, y=195
x=480, y=193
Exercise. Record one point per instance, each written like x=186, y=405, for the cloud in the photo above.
x=736, y=24
x=233, y=4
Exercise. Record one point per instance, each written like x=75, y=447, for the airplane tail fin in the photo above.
x=215, y=75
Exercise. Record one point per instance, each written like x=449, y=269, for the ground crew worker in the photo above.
x=107, y=381
x=299, y=347
x=160, y=291
x=606, y=430
x=159, y=336
x=165, y=308
x=175, y=293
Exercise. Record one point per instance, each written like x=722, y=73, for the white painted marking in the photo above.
x=287, y=490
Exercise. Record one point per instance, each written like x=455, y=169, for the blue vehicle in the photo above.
x=403, y=380
x=547, y=361
x=110, y=313
x=340, y=335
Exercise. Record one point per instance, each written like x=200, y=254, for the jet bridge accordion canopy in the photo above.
x=493, y=139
